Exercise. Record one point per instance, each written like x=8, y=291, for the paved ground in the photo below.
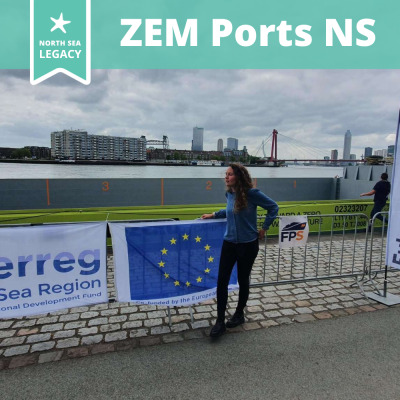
x=348, y=358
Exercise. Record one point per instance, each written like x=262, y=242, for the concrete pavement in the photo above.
x=352, y=357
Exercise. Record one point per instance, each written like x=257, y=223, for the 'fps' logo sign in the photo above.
x=293, y=231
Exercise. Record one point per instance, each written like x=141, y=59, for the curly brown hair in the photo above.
x=243, y=184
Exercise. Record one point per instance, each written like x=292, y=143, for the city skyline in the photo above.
x=198, y=136
x=238, y=103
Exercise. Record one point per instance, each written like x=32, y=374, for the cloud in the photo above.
x=390, y=139
x=311, y=106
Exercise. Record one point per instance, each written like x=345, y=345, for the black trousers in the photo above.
x=244, y=254
x=378, y=208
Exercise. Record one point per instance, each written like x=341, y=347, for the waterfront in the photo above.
x=53, y=171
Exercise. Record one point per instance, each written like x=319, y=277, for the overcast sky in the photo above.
x=311, y=106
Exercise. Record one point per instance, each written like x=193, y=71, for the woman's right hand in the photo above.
x=207, y=216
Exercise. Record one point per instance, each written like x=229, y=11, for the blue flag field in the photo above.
x=168, y=263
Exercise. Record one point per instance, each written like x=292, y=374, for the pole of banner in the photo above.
x=382, y=296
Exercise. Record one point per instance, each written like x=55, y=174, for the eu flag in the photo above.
x=174, y=260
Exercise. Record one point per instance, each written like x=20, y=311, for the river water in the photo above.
x=54, y=171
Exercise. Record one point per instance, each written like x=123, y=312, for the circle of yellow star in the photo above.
x=161, y=264
x=176, y=283
x=207, y=247
x=164, y=251
x=199, y=279
x=210, y=259
x=173, y=241
x=207, y=270
x=187, y=284
x=198, y=239
x=185, y=237
x=166, y=276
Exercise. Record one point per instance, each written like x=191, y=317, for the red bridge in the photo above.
x=308, y=152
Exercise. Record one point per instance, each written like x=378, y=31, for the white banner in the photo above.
x=293, y=231
x=48, y=268
x=393, y=237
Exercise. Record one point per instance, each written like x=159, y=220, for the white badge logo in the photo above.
x=293, y=231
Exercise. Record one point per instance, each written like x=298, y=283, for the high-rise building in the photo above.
x=198, y=138
x=353, y=157
x=347, y=145
x=368, y=152
x=220, y=145
x=77, y=145
x=334, y=154
x=70, y=144
x=390, y=150
x=233, y=144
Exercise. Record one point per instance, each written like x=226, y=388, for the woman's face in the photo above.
x=230, y=178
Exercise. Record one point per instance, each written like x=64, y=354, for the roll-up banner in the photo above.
x=48, y=268
x=393, y=238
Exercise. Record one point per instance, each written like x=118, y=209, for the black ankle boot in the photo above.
x=236, y=320
x=218, y=329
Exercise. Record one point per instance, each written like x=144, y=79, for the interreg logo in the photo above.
x=60, y=39
x=88, y=263
x=293, y=231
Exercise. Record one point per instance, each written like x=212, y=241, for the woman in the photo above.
x=240, y=240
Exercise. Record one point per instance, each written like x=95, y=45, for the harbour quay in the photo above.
x=326, y=281
x=114, y=326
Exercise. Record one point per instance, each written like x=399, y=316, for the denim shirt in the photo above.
x=242, y=226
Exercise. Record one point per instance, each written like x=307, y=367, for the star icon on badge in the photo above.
x=59, y=23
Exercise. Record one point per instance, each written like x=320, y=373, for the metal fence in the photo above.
x=335, y=249
x=339, y=246
x=376, y=255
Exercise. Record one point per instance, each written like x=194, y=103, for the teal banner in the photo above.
x=60, y=39
x=224, y=34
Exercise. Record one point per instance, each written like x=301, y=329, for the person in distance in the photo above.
x=240, y=241
x=381, y=192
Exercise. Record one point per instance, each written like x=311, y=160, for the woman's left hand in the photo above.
x=261, y=234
